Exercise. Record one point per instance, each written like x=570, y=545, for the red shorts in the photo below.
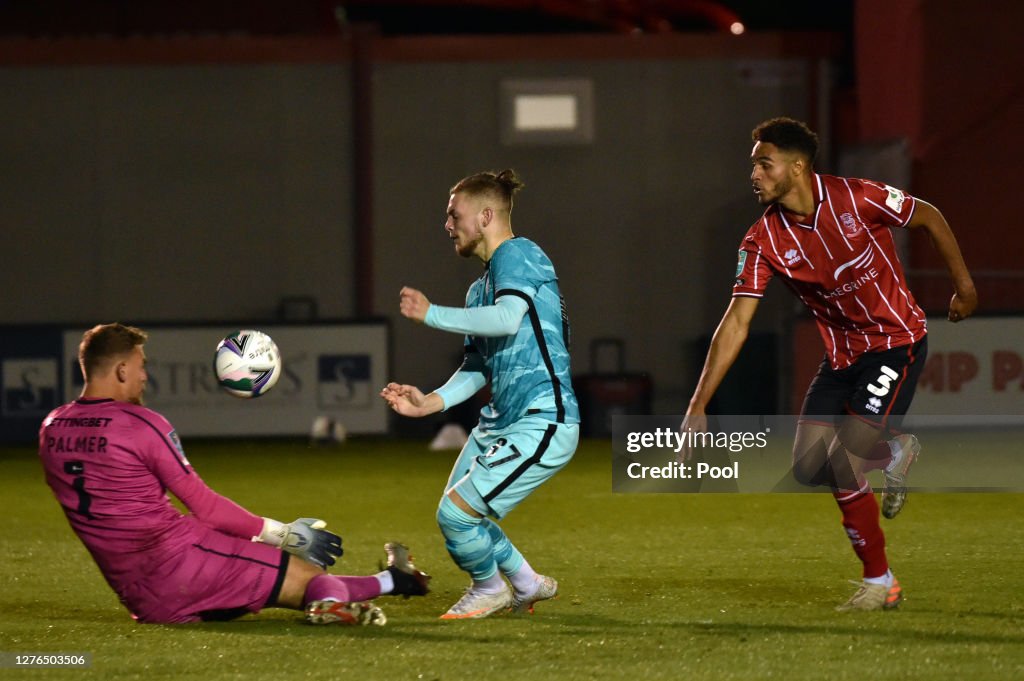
x=218, y=577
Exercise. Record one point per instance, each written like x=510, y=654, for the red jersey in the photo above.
x=843, y=266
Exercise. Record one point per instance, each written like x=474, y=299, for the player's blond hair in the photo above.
x=501, y=186
x=106, y=342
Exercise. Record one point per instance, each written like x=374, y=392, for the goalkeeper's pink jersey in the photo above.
x=110, y=465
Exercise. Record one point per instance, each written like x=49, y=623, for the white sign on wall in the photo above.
x=974, y=372
x=332, y=370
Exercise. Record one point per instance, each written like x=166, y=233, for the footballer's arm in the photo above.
x=965, y=297
x=487, y=321
x=729, y=337
x=408, y=400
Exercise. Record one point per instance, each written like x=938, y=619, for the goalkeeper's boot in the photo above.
x=474, y=605
x=895, y=493
x=339, y=612
x=874, y=597
x=547, y=588
x=409, y=581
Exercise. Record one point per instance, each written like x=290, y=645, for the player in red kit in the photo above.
x=829, y=239
x=110, y=462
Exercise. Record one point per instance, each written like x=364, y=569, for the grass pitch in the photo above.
x=728, y=586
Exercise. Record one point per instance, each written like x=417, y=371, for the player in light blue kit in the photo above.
x=517, y=338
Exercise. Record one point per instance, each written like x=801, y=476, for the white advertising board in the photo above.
x=974, y=373
x=334, y=370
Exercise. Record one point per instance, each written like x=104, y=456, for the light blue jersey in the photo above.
x=528, y=370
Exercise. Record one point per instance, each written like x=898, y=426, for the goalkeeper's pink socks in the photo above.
x=342, y=588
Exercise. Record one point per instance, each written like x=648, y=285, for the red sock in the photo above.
x=348, y=589
x=879, y=456
x=860, y=518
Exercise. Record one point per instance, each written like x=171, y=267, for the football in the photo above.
x=247, y=363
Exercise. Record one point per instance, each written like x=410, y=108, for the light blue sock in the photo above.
x=508, y=557
x=468, y=543
x=511, y=562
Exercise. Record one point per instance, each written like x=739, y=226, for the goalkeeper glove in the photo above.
x=304, y=538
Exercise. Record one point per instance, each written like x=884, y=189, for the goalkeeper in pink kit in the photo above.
x=110, y=462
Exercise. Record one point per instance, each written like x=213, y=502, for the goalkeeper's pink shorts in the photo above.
x=218, y=577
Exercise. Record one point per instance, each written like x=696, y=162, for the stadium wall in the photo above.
x=190, y=180
x=180, y=191
x=946, y=76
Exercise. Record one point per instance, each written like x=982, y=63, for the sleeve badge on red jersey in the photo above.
x=895, y=198
x=741, y=261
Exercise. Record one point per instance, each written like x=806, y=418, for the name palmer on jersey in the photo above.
x=77, y=444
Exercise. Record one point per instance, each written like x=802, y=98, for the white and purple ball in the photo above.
x=247, y=363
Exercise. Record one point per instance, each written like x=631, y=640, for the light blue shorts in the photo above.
x=497, y=469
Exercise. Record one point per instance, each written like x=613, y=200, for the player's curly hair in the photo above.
x=788, y=134
x=105, y=342
x=502, y=185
